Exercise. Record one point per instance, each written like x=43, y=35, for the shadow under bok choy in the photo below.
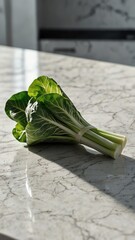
x=113, y=177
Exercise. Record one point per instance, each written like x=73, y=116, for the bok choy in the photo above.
x=44, y=113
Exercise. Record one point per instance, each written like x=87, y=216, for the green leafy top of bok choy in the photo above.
x=44, y=113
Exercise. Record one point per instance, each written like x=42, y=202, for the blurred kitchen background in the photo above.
x=96, y=29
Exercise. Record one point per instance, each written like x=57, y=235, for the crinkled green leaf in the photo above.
x=44, y=85
x=43, y=126
x=19, y=133
x=15, y=107
x=64, y=110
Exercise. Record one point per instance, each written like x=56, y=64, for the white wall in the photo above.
x=24, y=23
x=2, y=23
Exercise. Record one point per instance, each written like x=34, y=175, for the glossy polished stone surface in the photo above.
x=68, y=192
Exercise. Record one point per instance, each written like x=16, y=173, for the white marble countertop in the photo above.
x=68, y=192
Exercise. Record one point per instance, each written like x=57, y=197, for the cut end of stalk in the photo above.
x=118, y=151
x=124, y=142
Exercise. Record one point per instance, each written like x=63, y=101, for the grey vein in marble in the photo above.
x=70, y=192
x=104, y=5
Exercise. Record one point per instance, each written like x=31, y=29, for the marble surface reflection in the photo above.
x=66, y=191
